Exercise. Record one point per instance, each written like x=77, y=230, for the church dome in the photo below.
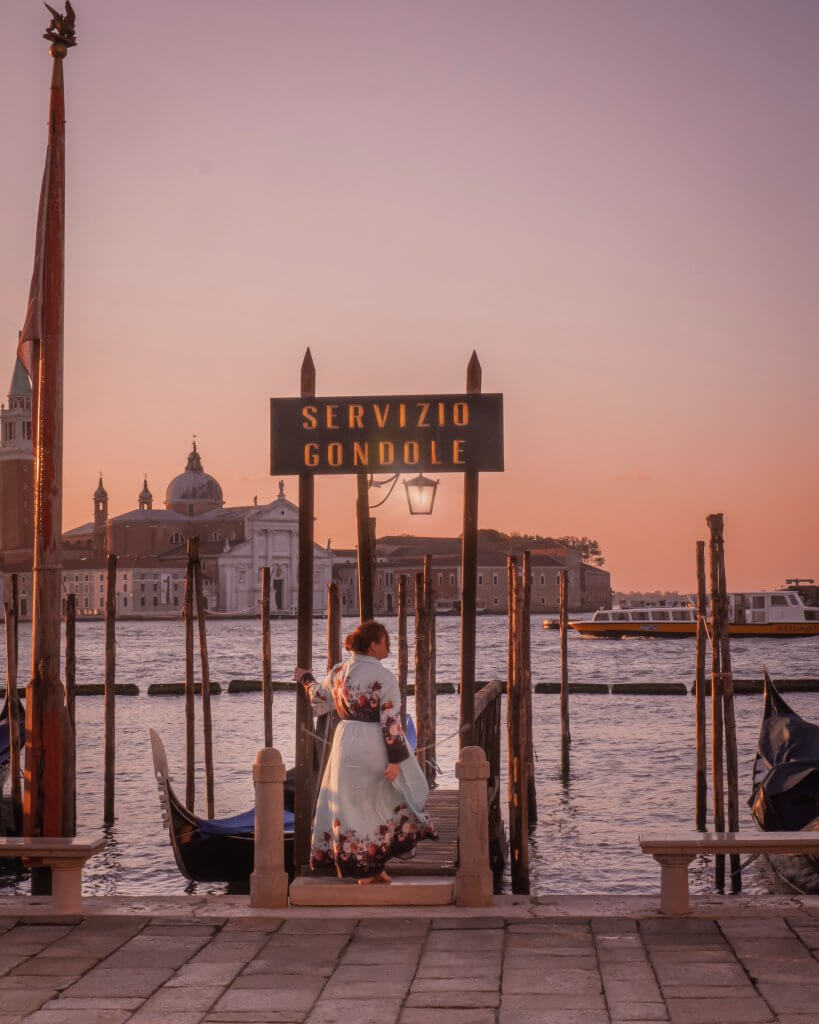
x=194, y=491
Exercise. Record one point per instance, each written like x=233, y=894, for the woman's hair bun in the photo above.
x=364, y=635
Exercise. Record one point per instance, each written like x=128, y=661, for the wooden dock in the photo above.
x=433, y=858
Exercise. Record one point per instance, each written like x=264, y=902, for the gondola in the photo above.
x=5, y=742
x=219, y=849
x=785, y=793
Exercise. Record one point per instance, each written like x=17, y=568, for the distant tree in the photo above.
x=589, y=549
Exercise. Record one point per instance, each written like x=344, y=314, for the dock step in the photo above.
x=420, y=891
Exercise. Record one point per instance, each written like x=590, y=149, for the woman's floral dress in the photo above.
x=361, y=819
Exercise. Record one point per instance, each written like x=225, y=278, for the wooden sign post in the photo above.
x=456, y=433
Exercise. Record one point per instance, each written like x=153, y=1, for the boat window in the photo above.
x=680, y=616
x=639, y=616
x=661, y=616
x=620, y=616
x=812, y=614
x=602, y=617
x=792, y=599
x=778, y=600
x=759, y=601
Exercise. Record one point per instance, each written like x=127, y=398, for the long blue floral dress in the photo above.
x=361, y=819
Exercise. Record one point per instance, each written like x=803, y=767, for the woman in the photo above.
x=371, y=803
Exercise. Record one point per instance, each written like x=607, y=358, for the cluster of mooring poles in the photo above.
x=723, y=721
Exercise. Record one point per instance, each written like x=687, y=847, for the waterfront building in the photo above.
x=16, y=471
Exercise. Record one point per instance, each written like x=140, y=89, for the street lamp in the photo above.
x=421, y=494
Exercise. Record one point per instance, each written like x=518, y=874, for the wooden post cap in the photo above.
x=472, y=764
x=268, y=766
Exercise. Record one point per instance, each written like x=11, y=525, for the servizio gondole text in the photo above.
x=444, y=433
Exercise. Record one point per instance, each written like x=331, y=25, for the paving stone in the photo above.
x=79, y=1017
x=25, y=1000
x=613, y=925
x=187, y=1000
x=260, y=999
x=113, y=923
x=781, y=970
x=476, y=1016
x=278, y=982
x=358, y=1011
x=397, y=929
x=145, y=952
x=453, y=999
x=528, y=1010
x=23, y=982
x=744, y=991
x=692, y=955
x=306, y=946
x=9, y=962
x=700, y=974
x=256, y=1017
x=433, y=970
x=372, y=952
x=318, y=926
x=473, y=984
x=221, y=952
x=253, y=924
x=789, y=998
x=146, y=1016
x=808, y=935
x=92, y=1003
x=56, y=965
x=526, y=960
x=775, y=946
x=754, y=927
x=627, y=971
x=101, y=982
x=191, y=975
x=646, y=991
x=462, y=941
x=718, y=1011
x=188, y=931
x=678, y=926
x=517, y=981
x=629, y=954
x=668, y=940
x=637, y=1012
x=557, y=946
x=360, y=981
x=295, y=964
x=466, y=923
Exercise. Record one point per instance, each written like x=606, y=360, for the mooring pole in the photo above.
x=49, y=791
x=469, y=580
x=565, y=732
x=526, y=644
x=403, y=649
x=12, y=704
x=699, y=691
x=423, y=727
x=432, y=693
x=717, y=729
x=267, y=669
x=190, y=734
x=110, y=689
x=204, y=662
x=366, y=603
x=304, y=645
x=71, y=690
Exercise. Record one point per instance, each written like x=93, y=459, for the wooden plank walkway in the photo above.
x=433, y=858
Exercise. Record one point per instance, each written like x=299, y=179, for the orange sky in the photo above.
x=615, y=203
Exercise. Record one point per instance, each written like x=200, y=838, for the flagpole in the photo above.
x=49, y=782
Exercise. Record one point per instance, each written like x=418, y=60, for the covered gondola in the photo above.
x=218, y=849
x=785, y=793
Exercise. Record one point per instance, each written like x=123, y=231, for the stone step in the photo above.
x=421, y=891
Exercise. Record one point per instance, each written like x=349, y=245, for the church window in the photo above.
x=142, y=602
x=175, y=601
x=156, y=602
x=215, y=535
x=175, y=538
x=125, y=602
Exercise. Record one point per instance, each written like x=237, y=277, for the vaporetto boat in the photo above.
x=760, y=613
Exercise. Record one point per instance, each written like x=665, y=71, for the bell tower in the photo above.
x=100, y=518
x=16, y=470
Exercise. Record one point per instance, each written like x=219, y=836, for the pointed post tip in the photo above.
x=308, y=375
x=474, y=374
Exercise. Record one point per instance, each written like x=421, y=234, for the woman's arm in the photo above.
x=320, y=694
x=396, y=742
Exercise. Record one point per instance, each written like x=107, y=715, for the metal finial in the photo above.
x=61, y=32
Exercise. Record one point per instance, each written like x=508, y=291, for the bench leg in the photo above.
x=66, y=888
x=674, y=884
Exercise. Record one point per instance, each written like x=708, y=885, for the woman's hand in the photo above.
x=391, y=774
x=299, y=674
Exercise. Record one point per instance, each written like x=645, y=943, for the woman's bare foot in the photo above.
x=382, y=879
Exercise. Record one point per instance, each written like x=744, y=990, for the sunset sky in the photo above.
x=616, y=203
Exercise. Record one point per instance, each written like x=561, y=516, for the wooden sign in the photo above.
x=393, y=434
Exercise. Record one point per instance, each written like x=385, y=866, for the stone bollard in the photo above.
x=473, y=882
x=268, y=883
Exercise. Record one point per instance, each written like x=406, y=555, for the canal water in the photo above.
x=632, y=756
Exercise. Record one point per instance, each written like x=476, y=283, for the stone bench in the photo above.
x=66, y=856
x=674, y=851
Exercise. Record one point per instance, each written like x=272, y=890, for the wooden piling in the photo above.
x=516, y=732
x=699, y=687
x=204, y=662
x=469, y=579
x=403, y=651
x=267, y=670
x=565, y=731
x=716, y=710
x=333, y=625
x=432, y=693
x=190, y=738
x=71, y=690
x=304, y=647
x=526, y=667
x=365, y=549
x=110, y=692
x=423, y=725
x=13, y=706
x=716, y=525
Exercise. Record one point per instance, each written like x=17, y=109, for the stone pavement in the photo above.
x=531, y=962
